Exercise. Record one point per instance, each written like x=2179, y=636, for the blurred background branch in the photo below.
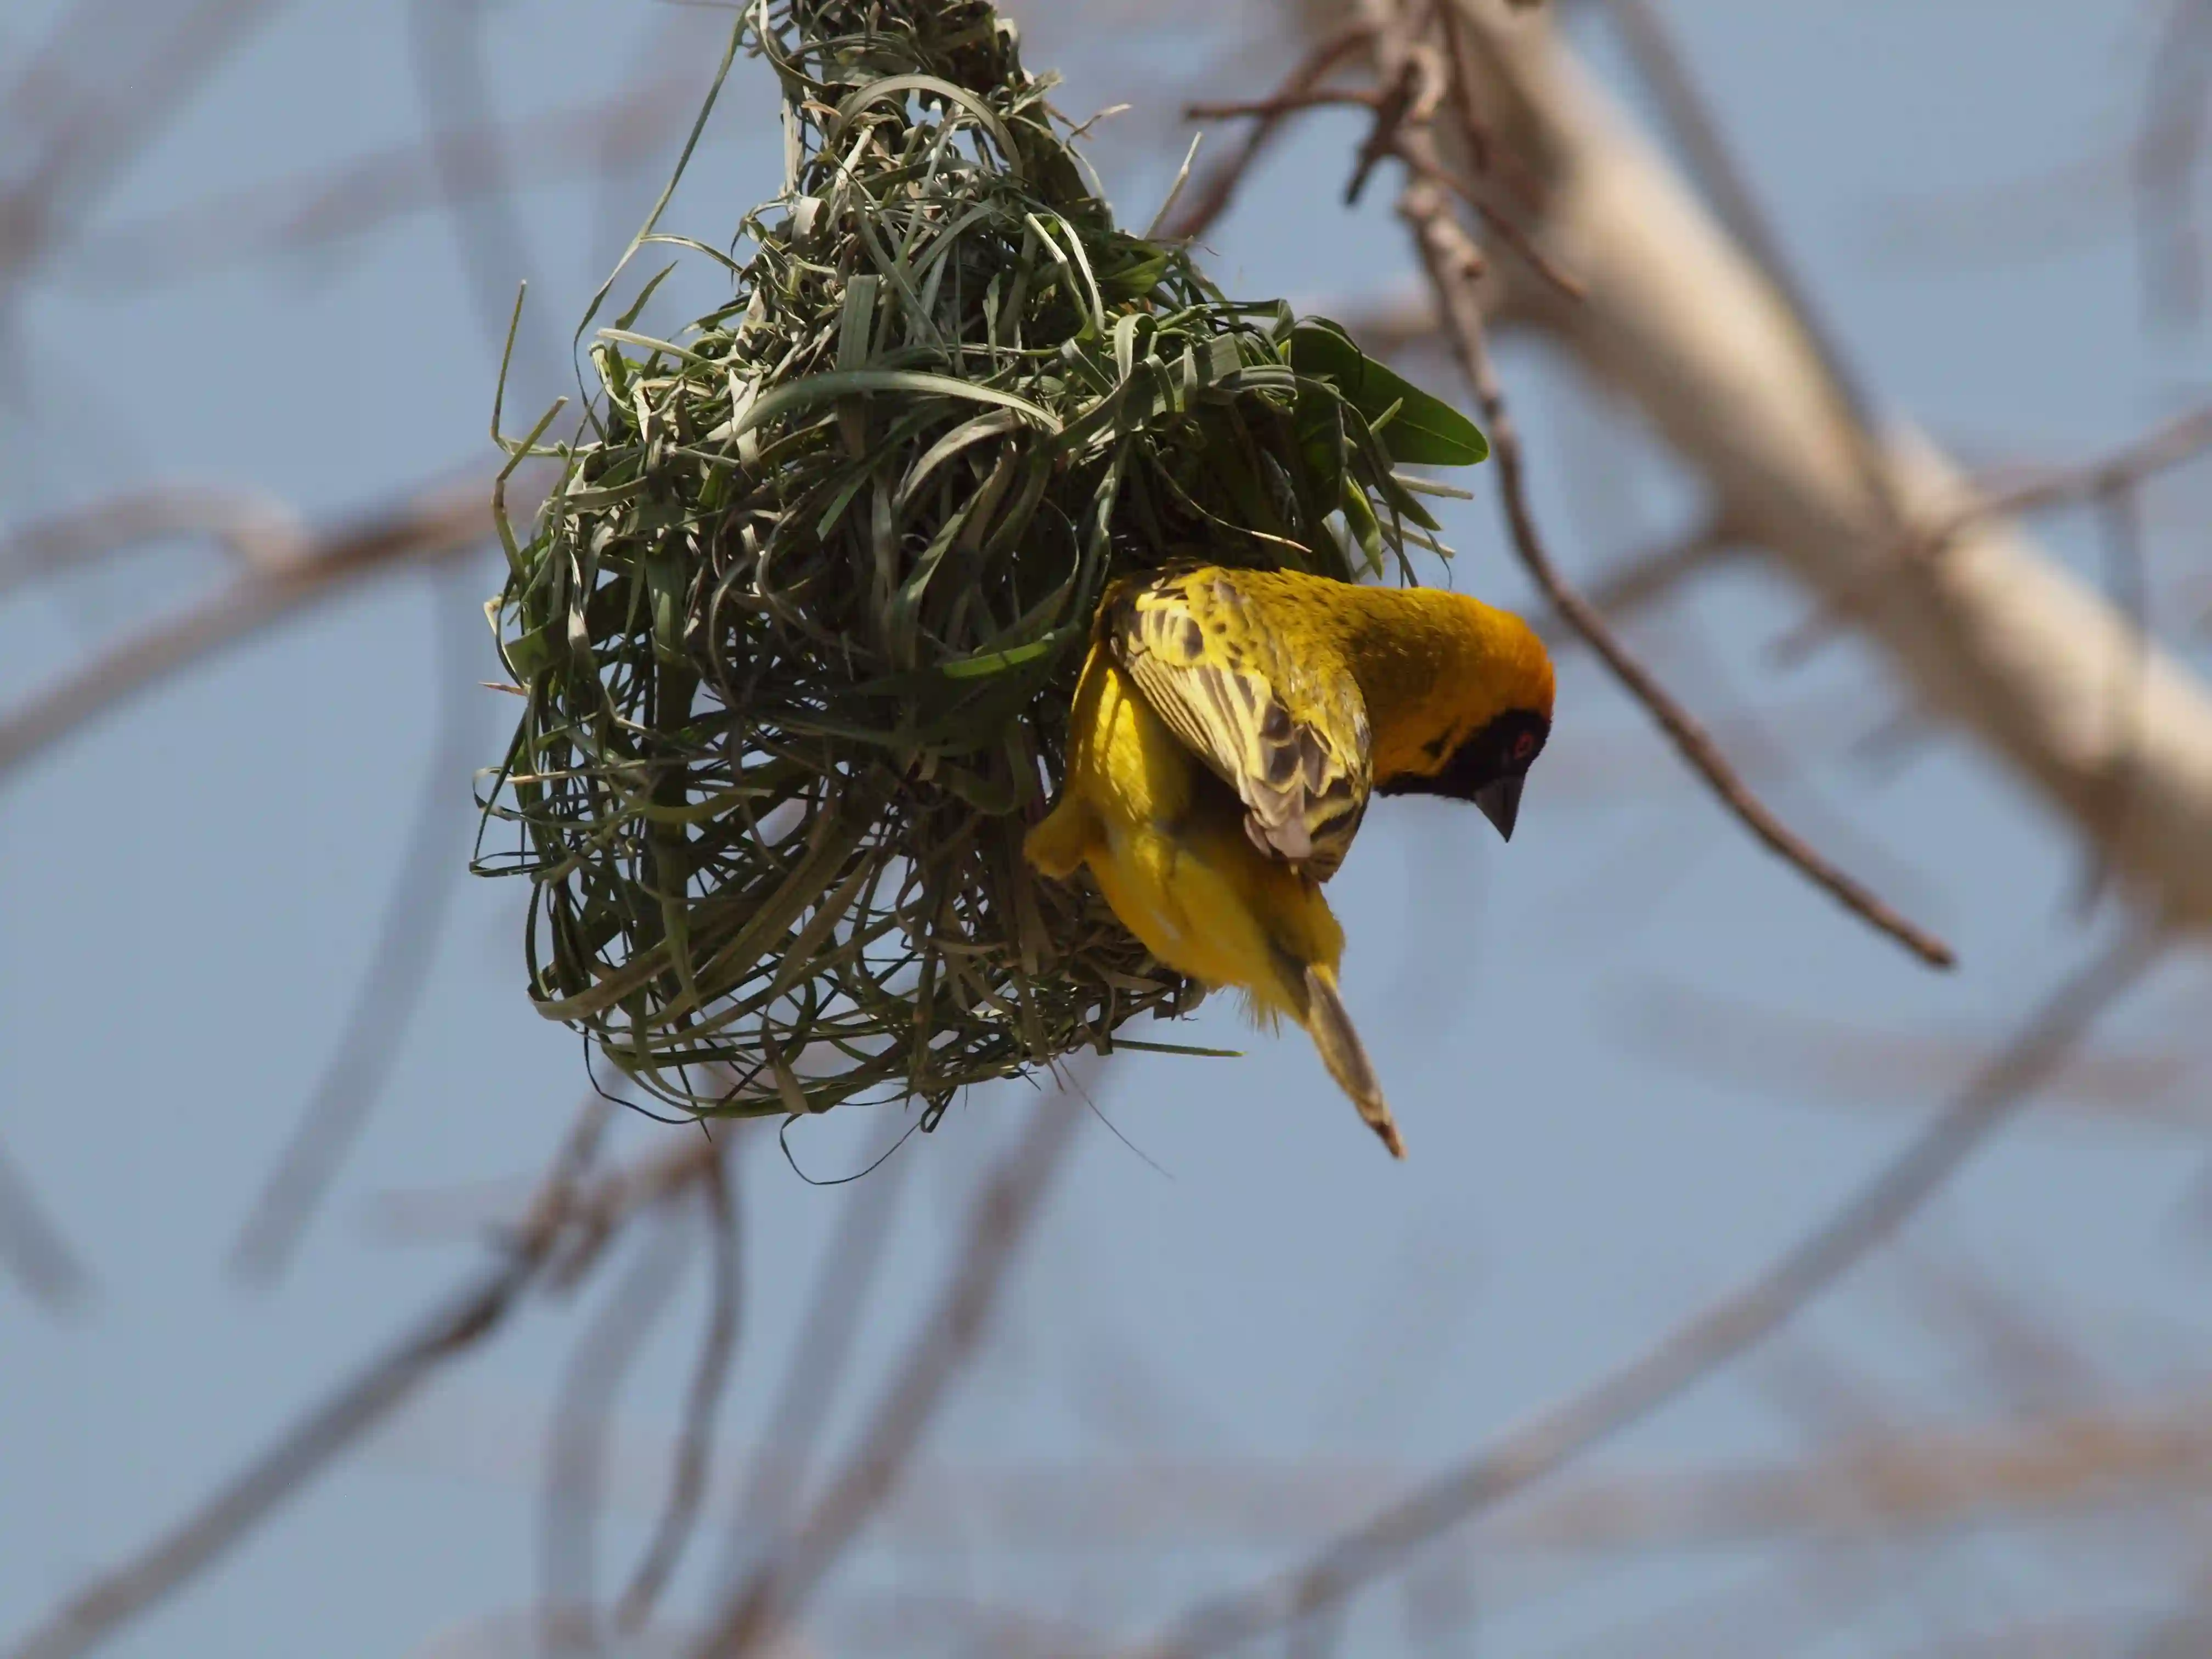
x=256, y=263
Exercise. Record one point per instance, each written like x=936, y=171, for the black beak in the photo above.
x=1501, y=802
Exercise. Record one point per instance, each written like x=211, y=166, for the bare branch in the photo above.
x=1995, y=635
x=2168, y=148
x=1728, y=1329
x=1203, y=208
x=447, y=43
x=32, y=1247
x=1284, y=103
x=1642, y=580
x=695, y=1446
x=1891, y=1483
x=835, y=1301
x=1712, y=161
x=262, y=533
x=2024, y=1359
x=90, y=137
x=1447, y=254
x=398, y=975
x=439, y=523
x=2140, y=459
x=1412, y=147
x=567, y=1224
x=1808, y=1055
x=1453, y=265
x=763, y=1606
x=575, y=1457
x=2127, y=584
x=311, y=210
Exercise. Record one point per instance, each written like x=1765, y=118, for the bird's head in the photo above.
x=1491, y=718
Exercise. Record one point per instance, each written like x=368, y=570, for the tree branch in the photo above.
x=566, y=1225
x=695, y=1446
x=392, y=991
x=1726, y=1330
x=2136, y=462
x=33, y=1248
x=763, y=1606
x=1217, y=188
x=1993, y=635
x=437, y=525
x=1452, y=264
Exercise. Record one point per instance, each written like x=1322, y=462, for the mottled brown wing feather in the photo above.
x=1289, y=735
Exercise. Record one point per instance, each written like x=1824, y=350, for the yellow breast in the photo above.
x=1165, y=841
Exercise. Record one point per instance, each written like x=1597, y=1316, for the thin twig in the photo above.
x=1404, y=103
x=449, y=72
x=1217, y=188
x=310, y=1444
x=447, y=41
x=1642, y=580
x=2164, y=160
x=1417, y=79
x=1722, y=1332
x=1750, y=729
x=2023, y=1358
x=1689, y=117
x=439, y=523
x=764, y=1604
x=2103, y=480
x=1284, y=103
x=1418, y=152
x=1447, y=254
x=1885, y=1480
x=32, y=1247
x=93, y=138
x=307, y=212
x=695, y=1446
x=575, y=1462
x=1809, y=1056
x=2143, y=458
x=392, y=992
x=835, y=1301
x=262, y=533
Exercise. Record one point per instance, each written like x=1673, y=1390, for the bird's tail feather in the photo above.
x=1346, y=1056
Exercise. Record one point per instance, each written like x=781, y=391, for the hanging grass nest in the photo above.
x=797, y=626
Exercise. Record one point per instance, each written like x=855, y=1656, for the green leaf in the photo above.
x=526, y=654
x=1134, y=280
x=1318, y=420
x=1423, y=431
x=997, y=662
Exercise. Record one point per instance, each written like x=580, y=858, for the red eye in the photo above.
x=1524, y=748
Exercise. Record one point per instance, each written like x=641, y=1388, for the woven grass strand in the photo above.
x=796, y=628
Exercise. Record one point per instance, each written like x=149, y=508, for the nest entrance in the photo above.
x=797, y=627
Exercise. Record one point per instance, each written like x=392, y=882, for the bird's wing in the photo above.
x=1287, y=732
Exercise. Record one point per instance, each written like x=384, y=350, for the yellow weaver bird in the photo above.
x=1227, y=732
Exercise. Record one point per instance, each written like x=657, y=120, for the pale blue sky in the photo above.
x=188, y=890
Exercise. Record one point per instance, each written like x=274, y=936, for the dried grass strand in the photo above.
x=798, y=625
